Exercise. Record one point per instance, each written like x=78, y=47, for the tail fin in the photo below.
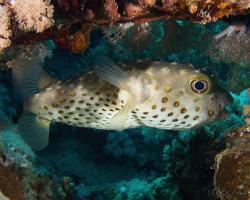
x=34, y=130
x=28, y=78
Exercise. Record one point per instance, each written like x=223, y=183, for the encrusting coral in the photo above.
x=232, y=167
x=104, y=13
x=10, y=184
x=5, y=31
x=33, y=15
x=28, y=15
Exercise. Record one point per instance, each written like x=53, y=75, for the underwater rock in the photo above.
x=10, y=184
x=70, y=15
x=76, y=42
x=232, y=176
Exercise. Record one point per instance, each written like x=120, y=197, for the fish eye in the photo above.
x=199, y=86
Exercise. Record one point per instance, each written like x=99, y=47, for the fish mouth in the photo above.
x=225, y=99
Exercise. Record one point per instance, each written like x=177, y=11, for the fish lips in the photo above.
x=225, y=100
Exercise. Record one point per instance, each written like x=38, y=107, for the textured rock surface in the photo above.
x=232, y=176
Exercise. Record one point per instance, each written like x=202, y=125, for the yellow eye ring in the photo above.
x=199, y=86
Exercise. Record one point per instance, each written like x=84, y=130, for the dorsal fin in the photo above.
x=28, y=77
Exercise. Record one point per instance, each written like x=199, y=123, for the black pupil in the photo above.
x=199, y=85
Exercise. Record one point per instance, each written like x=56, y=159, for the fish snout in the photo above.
x=224, y=99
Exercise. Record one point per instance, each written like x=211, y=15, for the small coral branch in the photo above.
x=60, y=18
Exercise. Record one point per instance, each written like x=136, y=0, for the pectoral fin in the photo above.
x=118, y=122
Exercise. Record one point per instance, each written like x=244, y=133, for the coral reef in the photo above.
x=231, y=178
x=10, y=184
x=101, y=13
x=5, y=31
x=33, y=15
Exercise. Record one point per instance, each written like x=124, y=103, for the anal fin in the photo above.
x=34, y=130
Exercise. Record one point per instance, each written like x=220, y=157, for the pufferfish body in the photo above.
x=161, y=95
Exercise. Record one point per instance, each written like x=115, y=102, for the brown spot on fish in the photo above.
x=175, y=120
x=115, y=96
x=186, y=116
x=170, y=114
x=104, y=109
x=50, y=113
x=59, y=118
x=196, y=117
x=88, y=104
x=197, y=108
x=176, y=103
x=60, y=111
x=97, y=93
x=154, y=107
x=54, y=105
x=106, y=105
x=81, y=102
x=183, y=110
x=164, y=100
x=45, y=107
x=167, y=88
x=155, y=116
x=80, y=115
x=66, y=117
x=108, y=94
x=78, y=108
x=117, y=108
x=97, y=104
x=72, y=101
x=61, y=101
x=114, y=103
x=145, y=113
x=72, y=94
x=183, y=122
x=101, y=99
x=108, y=100
x=86, y=110
x=211, y=113
x=91, y=98
x=76, y=118
x=133, y=111
x=84, y=94
x=70, y=113
x=66, y=107
x=163, y=120
x=111, y=110
x=163, y=109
